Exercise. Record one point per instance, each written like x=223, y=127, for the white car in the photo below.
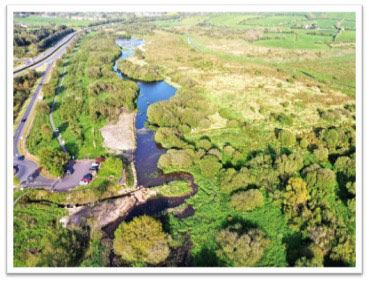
x=83, y=183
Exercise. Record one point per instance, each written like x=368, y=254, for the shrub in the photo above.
x=287, y=138
x=141, y=241
x=321, y=154
x=304, y=143
x=247, y=200
x=204, y=144
x=210, y=166
x=285, y=119
x=288, y=165
x=169, y=138
x=313, y=257
x=331, y=138
x=53, y=160
x=175, y=159
x=296, y=193
x=241, y=249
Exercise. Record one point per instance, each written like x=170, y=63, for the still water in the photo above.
x=147, y=152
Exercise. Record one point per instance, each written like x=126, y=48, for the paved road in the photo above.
x=27, y=170
x=47, y=53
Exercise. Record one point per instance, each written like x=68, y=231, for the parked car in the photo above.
x=20, y=158
x=88, y=176
x=24, y=119
x=94, y=168
x=95, y=164
x=69, y=170
x=84, y=181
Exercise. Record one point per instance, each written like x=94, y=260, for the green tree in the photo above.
x=313, y=257
x=331, y=138
x=46, y=132
x=241, y=249
x=53, y=160
x=210, y=166
x=204, y=144
x=247, y=200
x=141, y=241
x=287, y=138
x=296, y=193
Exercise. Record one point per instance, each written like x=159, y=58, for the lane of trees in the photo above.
x=30, y=42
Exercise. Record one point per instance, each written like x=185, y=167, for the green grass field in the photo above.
x=37, y=20
x=293, y=41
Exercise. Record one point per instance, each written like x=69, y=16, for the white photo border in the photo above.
x=356, y=8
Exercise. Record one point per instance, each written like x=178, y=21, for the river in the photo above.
x=147, y=152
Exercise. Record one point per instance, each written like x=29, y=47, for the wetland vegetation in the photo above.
x=263, y=117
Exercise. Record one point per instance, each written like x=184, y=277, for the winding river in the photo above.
x=147, y=152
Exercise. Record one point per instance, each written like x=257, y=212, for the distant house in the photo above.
x=310, y=26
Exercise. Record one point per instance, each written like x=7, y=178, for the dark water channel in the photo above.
x=147, y=152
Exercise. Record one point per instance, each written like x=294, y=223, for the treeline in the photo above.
x=92, y=95
x=29, y=42
x=22, y=88
x=148, y=73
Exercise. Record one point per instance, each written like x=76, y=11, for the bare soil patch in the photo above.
x=121, y=135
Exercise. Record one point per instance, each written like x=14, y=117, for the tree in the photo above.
x=321, y=154
x=296, y=193
x=210, y=166
x=331, y=138
x=241, y=249
x=313, y=257
x=247, y=200
x=170, y=138
x=141, y=241
x=43, y=107
x=46, y=132
x=288, y=165
x=287, y=138
x=179, y=159
x=205, y=144
x=62, y=247
x=53, y=160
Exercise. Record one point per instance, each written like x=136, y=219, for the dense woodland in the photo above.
x=22, y=90
x=28, y=42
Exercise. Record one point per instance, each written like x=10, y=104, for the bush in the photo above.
x=53, y=160
x=331, y=138
x=141, y=241
x=241, y=250
x=247, y=200
x=175, y=159
x=313, y=257
x=169, y=138
x=321, y=154
x=204, y=144
x=304, y=143
x=210, y=166
x=286, y=138
x=288, y=165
